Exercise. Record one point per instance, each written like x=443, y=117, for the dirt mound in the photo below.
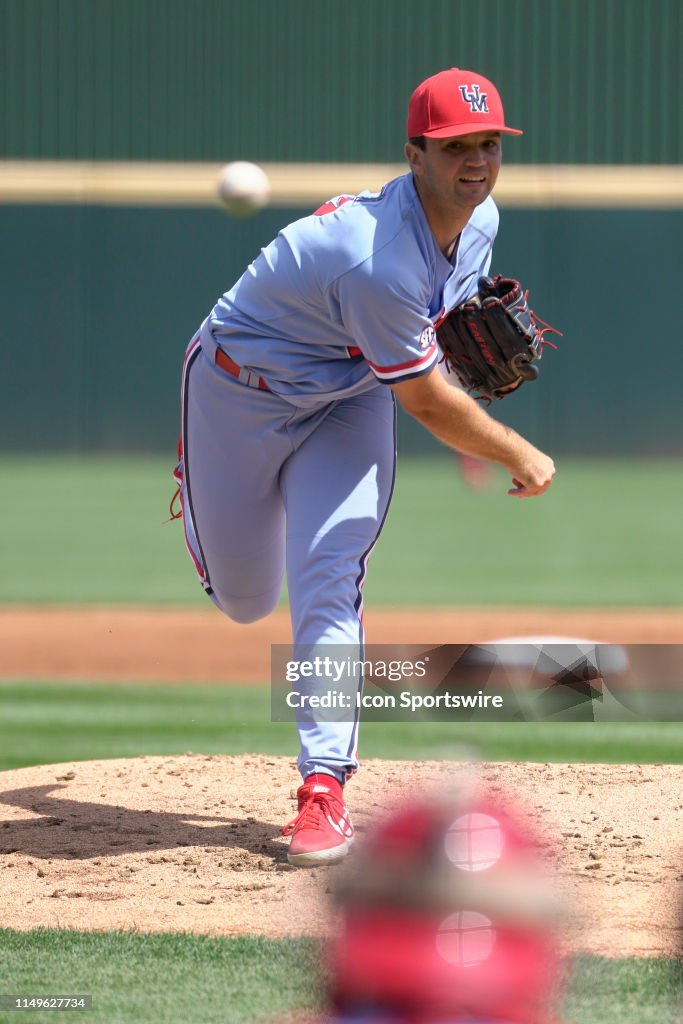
x=193, y=843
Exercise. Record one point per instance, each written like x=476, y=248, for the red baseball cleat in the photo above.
x=322, y=832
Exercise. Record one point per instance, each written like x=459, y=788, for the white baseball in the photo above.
x=243, y=188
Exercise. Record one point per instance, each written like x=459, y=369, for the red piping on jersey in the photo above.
x=405, y=366
x=176, y=475
x=199, y=568
x=332, y=204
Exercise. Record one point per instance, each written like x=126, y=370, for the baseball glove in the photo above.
x=493, y=341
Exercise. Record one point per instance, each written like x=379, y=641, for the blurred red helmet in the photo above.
x=448, y=914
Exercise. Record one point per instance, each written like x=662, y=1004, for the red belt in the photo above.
x=252, y=380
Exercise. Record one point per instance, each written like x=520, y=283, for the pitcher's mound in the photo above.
x=193, y=843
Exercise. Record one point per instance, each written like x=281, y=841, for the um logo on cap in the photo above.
x=476, y=99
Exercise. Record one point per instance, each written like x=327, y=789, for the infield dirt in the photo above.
x=119, y=643
x=193, y=843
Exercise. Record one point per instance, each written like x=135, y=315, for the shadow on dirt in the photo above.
x=82, y=830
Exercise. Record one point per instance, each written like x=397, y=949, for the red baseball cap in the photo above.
x=456, y=102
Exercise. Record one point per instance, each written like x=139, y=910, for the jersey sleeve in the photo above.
x=391, y=327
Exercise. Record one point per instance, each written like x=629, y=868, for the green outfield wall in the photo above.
x=589, y=80
x=99, y=303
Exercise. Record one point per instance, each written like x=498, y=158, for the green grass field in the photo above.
x=48, y=723
x=607, y=533
x=190, y=979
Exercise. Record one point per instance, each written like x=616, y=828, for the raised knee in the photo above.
x=245, y=609
x=244, y=615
